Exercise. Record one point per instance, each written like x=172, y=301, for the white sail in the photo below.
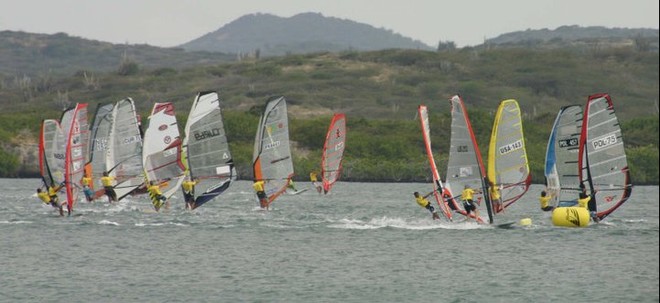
x=272, y=160
x=603, y=157
x=465, y=166
x=124, y=156
x=561, y=159
x=161, y=154
x=51, y=152
x=206, y=149
x=98, y=145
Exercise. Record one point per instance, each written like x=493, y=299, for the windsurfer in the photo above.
x=423, y=202
x=50, y=197
x=106, y=180
x=315, y=182
x=544, y=199
x=157, y=198
x=86, y=181
x=585, y=201
x=188, y=187
x=494, y=191
x=468, y=204
x=261, y=193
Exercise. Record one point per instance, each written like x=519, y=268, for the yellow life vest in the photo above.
x=44, y=197
x=154, y=190
x=188, y=186
x=422, y=201
x=494, y=193
x=86, y=181
x=258, y=186
x=545, y=201
x=107, y=181
x=467, y=194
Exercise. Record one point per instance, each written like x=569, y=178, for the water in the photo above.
x=365, y=242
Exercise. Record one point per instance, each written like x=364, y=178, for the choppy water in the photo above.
x=365, y=242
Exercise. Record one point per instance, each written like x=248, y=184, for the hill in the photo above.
x=60, y=54
x=269, y=35
x=645, y=39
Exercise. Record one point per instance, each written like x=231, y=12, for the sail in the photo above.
x=438, y=188
x=333, y=151
x=98, y=145
x=602, y=157
x=206, y=148
x=465, y=165
x=561, y=158
x=77, y=137
x=161, y=151
x=272, y=161
x=508, y=168
x=51, y=153
x=124, y=156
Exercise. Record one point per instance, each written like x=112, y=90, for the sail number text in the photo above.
x=510, y=147
x=604, y=141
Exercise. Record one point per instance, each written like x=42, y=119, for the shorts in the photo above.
x=469, y=206
x=261, y=195
x=188, y=197
x=430, y=208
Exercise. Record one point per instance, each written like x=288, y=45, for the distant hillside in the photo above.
x=60, y=54
x=303, y=33
x=575, y=36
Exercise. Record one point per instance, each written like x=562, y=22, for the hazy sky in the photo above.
x=173, y=22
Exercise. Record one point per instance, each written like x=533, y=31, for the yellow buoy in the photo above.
x=525, y=222
x=570, y=216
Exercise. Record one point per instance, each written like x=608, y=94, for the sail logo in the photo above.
x=131, y=139
x=272, y=145
x=205, y=134
x=604, y=141
x=162, y=127
x=568, y=142
x=167, y=139
x=510, y=147
x=169, y=152
x=58, y=156
x=462, y=148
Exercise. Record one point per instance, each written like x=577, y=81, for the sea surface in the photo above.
x=363, y=242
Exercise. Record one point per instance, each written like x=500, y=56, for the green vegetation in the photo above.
x=379, y=92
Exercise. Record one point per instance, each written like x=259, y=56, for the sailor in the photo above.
x=86, y=181
x=50, y=197
x=291, y=185
x=494, y=191
x=468, y=204
x=106, y=180
x=544, y=199
x=188, y=187
x=261, y=193
x=315, y=181
x=423, y=202
x=157, y=198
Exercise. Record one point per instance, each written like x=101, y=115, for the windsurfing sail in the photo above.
x=602, y=157
x=561, y=157
x=161, y=151
x=77, y=137
x=439, y=190
x=508, y=168
x=206, y=149
x=124, y=156
x=271, y=159
x=51, y=153
x=465, y=165
x=333, y=151
x=98, y=146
